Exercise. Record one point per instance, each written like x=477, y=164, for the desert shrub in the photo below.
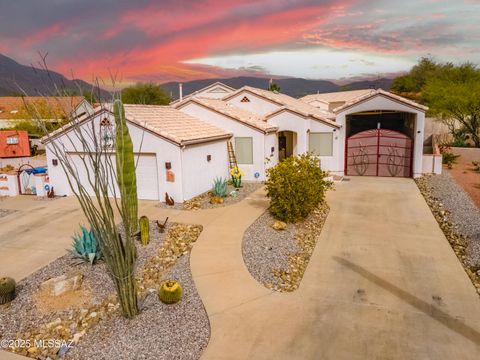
x=295, y=187
x=449, y=159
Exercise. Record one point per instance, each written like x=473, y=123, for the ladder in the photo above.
x=231, y=155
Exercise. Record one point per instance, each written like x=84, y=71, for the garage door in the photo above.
x=147, y=175
x=379, y=152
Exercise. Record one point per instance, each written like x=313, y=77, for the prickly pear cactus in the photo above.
x=144, y=230
x=7, y=290
x=126, y=177
x=170, y=292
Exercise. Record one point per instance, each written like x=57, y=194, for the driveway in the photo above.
x=383, y=282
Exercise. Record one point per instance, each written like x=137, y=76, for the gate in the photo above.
x=379, y=152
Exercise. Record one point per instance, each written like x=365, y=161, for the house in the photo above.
x=217, y=90
x=175, y=153
x=14, y=144
x=388, y=130
x=52, y=109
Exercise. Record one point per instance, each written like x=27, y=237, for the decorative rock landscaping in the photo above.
x=203, y=201
x=458, y=217
x=278, y=258
x=92, y=327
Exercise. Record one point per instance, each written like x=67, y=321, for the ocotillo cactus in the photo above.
x=126, y=178
x=144, y=230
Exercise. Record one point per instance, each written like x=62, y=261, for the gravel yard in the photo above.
x=202, y=201
x=179, y=331
x=459, y=218
x=278, y=258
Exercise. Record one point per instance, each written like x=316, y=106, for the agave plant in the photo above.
x=220, y=187
x=85, y=247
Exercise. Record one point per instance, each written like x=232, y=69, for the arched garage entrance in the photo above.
x=379, y=152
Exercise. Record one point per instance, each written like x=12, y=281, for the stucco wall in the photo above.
x=238, y=130
x=257, y=105
x=198, y=172
x=143, y=142
x=382, y=103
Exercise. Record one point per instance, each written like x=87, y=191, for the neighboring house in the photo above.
x=388, y=129
x=14, y=144
x=175, y=153
x=52, y=109
x=216, y=90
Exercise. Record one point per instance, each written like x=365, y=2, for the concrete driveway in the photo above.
x=383, y=282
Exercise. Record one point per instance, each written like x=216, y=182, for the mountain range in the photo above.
x=16, y=79
x=295, y=87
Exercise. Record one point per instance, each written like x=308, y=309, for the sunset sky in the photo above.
x=183, y=40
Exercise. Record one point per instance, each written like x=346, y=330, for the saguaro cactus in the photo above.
x=126, y=178
x=144, y=230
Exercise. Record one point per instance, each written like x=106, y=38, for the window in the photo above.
x=12, y=140
x=321, y=144
x=244, y=150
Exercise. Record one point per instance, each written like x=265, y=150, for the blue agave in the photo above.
x=220, y=187
x=85, y=247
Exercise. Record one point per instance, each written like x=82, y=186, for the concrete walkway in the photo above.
x=383, y=282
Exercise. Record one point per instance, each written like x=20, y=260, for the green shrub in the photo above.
x=295, y=187
x=449, y=159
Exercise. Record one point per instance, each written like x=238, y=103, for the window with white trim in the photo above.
x=244, y=150
x=321, y=143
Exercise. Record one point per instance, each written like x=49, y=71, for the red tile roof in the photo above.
x=14, y=143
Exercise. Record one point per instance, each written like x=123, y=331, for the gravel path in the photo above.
x=202, y=201
x=265, y=249
x=463, y=212
x=179, y=331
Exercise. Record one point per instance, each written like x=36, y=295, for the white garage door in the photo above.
x=147, y=175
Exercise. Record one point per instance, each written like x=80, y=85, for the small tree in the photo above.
x=295, y=187
x=454, y=93
x=145, y=94
x=273, y=87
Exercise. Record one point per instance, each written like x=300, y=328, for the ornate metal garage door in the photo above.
x=379, y=152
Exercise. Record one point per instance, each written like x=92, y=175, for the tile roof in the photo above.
x=290, y=103
x=165, y=121
x=338, y=96
x=193, y=94
x=50, y=107
x=235, y=113
x=373, y=93
x=173, y=124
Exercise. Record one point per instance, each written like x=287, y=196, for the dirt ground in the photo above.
x=464, y=174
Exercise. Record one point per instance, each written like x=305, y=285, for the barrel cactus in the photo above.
x=7, y=290
x=170, y=292
x=144, y=230
x=125, y=161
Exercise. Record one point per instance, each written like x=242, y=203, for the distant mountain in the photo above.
x=16, y=78
x=295, y=87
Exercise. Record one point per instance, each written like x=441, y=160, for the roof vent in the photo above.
x=245, y=99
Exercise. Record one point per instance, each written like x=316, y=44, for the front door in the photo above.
x=379, y=152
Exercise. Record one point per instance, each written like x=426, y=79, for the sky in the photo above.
x=167, y=40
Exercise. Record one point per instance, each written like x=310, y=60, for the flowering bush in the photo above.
x=295, y=187
x=236, y=174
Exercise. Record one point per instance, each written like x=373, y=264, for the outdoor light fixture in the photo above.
x=209, y=157
x=54, y=162
x=334, y=130
x=168, y=165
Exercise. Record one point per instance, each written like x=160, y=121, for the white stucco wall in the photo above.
x=151, y=144
x=8, y=184
x=198, y=172
x=432, y=164
x=271, y=158
x=238, y=130
x=380, y=102
x=257, y=105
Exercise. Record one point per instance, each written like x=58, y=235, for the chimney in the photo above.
x=180, y=91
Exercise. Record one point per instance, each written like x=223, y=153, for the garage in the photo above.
x=379, y=143
x=147, y=175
